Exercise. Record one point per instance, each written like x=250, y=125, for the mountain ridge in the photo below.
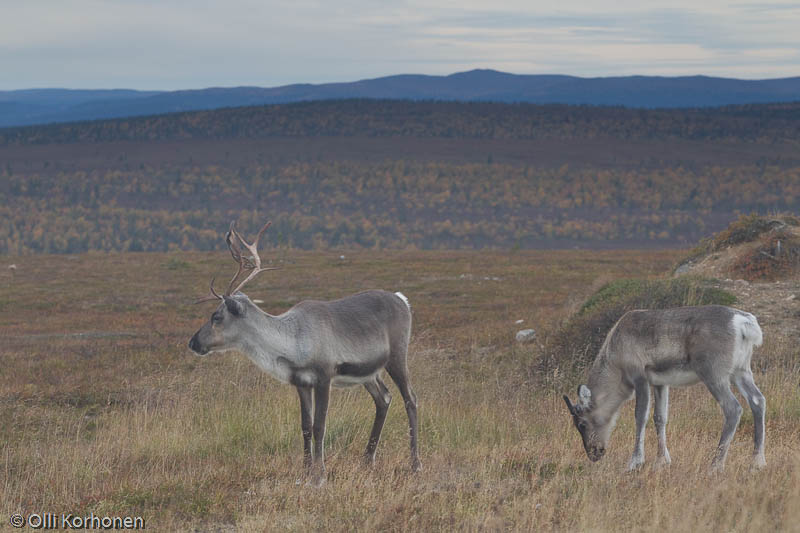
x=41, y=106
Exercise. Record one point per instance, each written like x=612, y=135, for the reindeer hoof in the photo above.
x=317, y=481
x=662, y=462
x=758, y=463
x=635, y=464
x=717, y=467
x=416, y=466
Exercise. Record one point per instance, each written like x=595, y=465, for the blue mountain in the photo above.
x=40, y=106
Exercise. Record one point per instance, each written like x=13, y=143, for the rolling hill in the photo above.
x=41, y=106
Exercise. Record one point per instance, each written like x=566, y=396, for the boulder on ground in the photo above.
x=525, y=336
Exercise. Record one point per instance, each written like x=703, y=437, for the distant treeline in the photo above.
x=76, y=189
x=394, y=204
x=759, y=123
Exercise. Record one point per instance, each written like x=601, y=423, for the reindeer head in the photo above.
x=594, y=435
x=229, y=320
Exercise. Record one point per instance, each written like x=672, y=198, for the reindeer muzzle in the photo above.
x=195, y=346
x=595, y=453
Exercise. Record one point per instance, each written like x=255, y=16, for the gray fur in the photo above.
x=317, y=344
x=682, y=346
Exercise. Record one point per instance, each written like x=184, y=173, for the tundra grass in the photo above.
x=103, y=409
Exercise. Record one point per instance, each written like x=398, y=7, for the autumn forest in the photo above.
x=391, y=174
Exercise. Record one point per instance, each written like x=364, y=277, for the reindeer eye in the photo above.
x=581, y=426
x=216, y=318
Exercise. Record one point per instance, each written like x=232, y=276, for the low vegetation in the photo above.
x=104, y=410
x=746, y=228
x=758, y=248
x=775, y=256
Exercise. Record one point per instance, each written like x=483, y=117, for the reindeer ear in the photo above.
x=234, y=307
x=584, y=395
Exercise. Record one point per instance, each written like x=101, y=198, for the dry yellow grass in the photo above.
x=125, y=421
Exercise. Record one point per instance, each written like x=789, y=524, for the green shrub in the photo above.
x=576, y=343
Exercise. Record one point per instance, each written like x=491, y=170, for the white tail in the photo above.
x=749, y=328
x=403, y=297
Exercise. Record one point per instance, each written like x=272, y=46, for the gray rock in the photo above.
x=683, y=269
x=524, y=336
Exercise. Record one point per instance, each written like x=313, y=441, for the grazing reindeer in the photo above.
x=315, y=345
x=682, y=346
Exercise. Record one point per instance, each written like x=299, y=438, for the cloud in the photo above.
x=186, y=44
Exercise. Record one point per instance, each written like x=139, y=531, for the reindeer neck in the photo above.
x=272, y=343
x=608, y=392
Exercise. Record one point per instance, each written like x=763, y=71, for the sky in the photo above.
x=186, y=44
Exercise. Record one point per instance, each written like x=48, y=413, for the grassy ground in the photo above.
x=123, y=420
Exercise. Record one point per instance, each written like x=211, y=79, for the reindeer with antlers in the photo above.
x=315, y=345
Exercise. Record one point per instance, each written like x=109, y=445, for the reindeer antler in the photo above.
x=212, y=296
x=250, y=264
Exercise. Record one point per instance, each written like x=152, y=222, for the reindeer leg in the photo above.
x=642, y=411
x=322, y=393
x=660, y=415
x=382, y=397
x=758, y=404
x=732, y=412
x=399, y=374
x=306, y=424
